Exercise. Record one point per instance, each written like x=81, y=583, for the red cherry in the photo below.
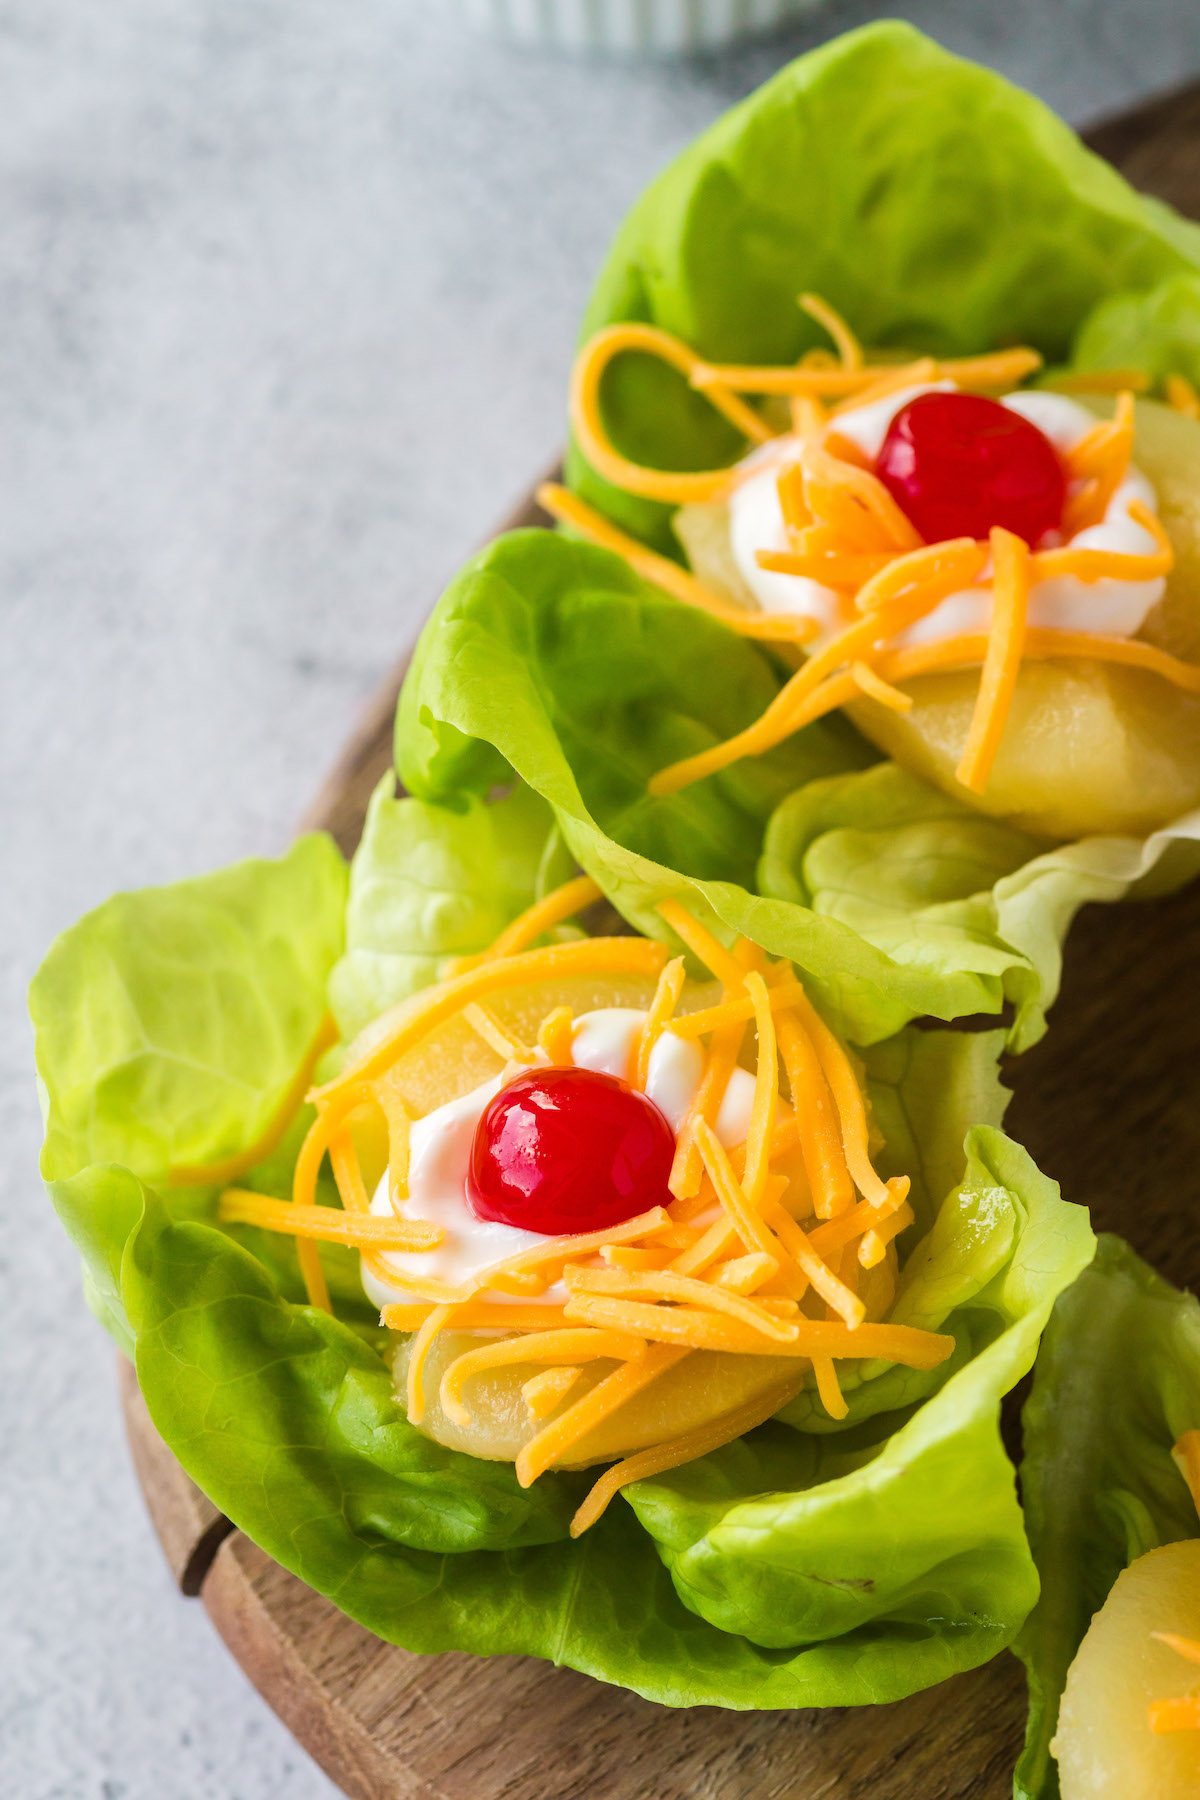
x=568, y=1150
x=957, y=464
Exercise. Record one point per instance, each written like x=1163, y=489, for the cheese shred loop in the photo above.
x=846, y=532
x=799, y=1207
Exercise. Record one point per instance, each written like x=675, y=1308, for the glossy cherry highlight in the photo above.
x=568, y=1150
x=957, y=464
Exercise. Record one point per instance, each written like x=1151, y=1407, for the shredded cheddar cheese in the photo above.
x=661, y=572
x=1182, y=396
x=1183, y=1712
x=642, y=1295
x=684, y=1449
x=1010, y=590
x=847, y=532
x=546, y=1390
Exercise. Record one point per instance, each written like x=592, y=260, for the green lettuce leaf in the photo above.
x=943, y=888
x=936, y=206
x=171, y=1023
x=432, y=882
x=289, y=1422
x=1117, y=1384
x=896, y=900
x=169, y=1026
x=1157, y=330
x=777, y=1535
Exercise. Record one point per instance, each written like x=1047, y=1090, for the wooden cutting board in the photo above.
x=1108, y=1103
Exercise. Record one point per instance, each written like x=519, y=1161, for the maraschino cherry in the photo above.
x=568, y=1150
x=957, y=464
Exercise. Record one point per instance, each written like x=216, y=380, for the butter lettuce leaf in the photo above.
x=944, y=888
x=1117, y=1384
x=430, y=882
x=935, y=205
x=777, y=1535
x=1155, y=329
x=288, y=1420
x=171, y=1023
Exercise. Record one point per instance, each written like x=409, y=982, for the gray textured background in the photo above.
x=287, y=296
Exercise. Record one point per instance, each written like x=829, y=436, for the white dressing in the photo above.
x=440, y=1154
x=1064, y=603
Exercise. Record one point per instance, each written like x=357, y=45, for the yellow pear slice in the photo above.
x=1104, y=1745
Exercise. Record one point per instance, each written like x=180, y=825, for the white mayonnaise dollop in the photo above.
x=1064, y=603
x=440, y=1153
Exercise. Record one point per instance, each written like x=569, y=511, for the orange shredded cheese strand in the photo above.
x=555, y=1441
x=905, y=591
x=848, y=1100
x=820, y=1131
x=1187, y=1459
x=1183, y=1646
x=545, y=1390
x=556, y=1036
x=587, y=420
x=418, y=1352
x=1100, y=460
x=685, y=1449
x=308, y=1256
x=845, y=570
x=474, y=1315
x=701, y=942
x=564, y=1249
x=347, y=1173
x=625, y=1284
x=487, y=1026
x=847, y=345
x=1097, y=565
x=1010, y=600
x=827, y=479
x=906, y=375
x=828, y=1390
x=970, y=650
x=661, y=1009
x=661, y=572
x=346, y=1098
x=1002, y=368
x=238, y=1206
x=399, y=1123
x=563, y=903
x=585, y=956
x=1182, y=1714
x=686, y=1169
x=831, y=1287
x=875, y=687
x=753, y=1231
x=623, y=1256
x=570, y=1345
x=873, y=1247
x=697, y=1330
x=739, y=1009
x=526, y=1283
x=761, y=1128
x=1182, y=396
x=745, y=1273
x=227, y=1169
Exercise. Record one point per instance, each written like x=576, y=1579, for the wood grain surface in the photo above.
x=1108, y=1103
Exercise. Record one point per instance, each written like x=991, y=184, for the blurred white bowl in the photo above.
x=657, y=27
